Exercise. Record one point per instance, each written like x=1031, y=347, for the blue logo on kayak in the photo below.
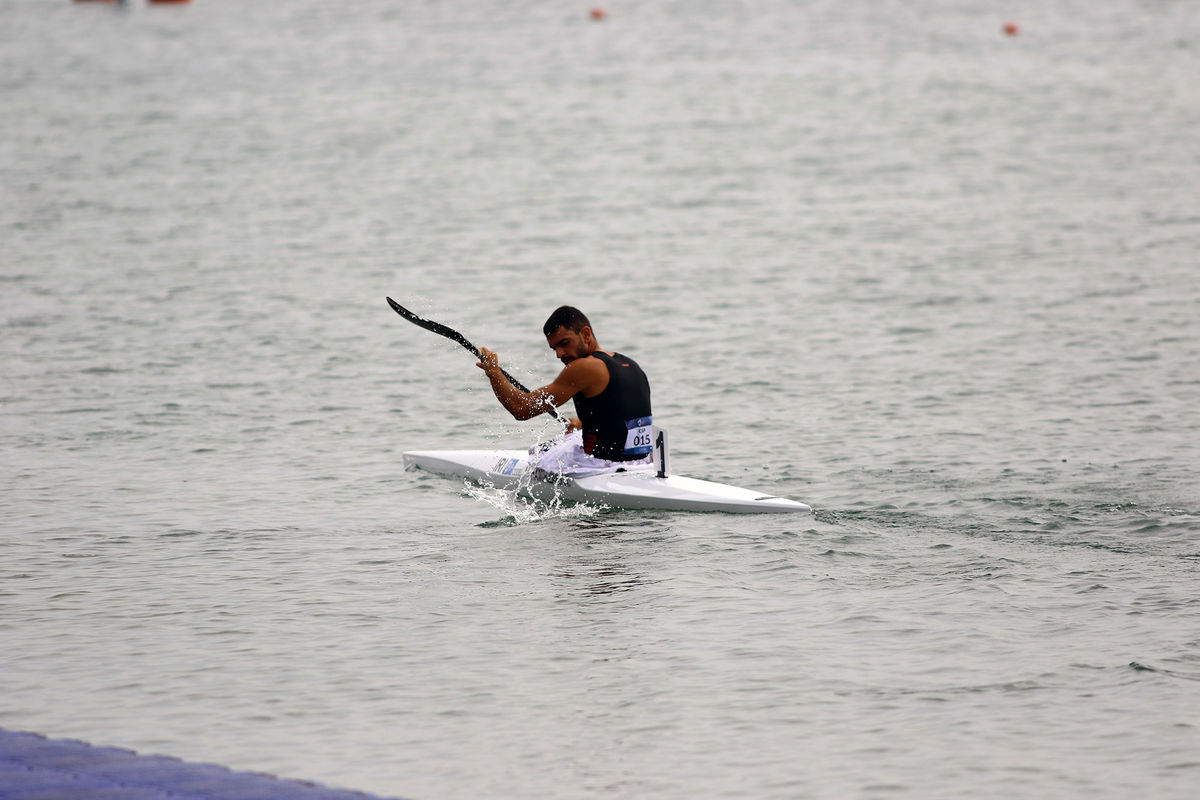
x=509, y=467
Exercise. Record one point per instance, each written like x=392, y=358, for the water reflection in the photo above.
x=607, y=563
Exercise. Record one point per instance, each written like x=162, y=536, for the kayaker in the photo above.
x=611, y=394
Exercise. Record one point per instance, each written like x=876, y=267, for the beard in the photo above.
x=581, y=352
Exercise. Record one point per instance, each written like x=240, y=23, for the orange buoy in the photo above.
x=598, y=13
x=1011, y=29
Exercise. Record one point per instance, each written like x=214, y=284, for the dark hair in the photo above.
x=568, y=317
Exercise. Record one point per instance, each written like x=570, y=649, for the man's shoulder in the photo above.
x=586, y=374
x=586, y=365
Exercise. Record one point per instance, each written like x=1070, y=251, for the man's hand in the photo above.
x=488, y=361
x=574, y=424
x=521, y=404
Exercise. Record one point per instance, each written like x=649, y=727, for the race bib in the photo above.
x=639, y=440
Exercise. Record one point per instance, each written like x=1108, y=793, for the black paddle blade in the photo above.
x=436, y=327
x=454, y=336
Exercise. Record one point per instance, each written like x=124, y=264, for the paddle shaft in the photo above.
x=455, y=336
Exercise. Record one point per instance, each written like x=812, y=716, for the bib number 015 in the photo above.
x=639, y=438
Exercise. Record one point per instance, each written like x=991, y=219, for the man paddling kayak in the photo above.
x=611, y=394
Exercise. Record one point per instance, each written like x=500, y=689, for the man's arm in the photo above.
x=587, y=375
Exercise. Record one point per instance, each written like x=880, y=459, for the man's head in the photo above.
x=569, y=334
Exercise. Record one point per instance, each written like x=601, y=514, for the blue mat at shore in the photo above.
x=33, y=767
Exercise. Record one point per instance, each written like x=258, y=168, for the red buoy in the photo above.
x=1011, y=29
x=598, y=13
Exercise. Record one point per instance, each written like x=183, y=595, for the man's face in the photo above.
x=569, y=345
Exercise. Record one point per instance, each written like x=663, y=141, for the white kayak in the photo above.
x=640, y=486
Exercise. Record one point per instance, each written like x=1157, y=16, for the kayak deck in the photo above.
x=638, y=487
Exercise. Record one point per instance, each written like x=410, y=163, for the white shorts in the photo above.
x=566, y=457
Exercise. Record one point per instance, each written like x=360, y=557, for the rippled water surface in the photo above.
x=938, y=282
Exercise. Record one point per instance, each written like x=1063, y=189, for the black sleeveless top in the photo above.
x=616, y=422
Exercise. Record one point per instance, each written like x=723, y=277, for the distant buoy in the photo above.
x=1011, y=29
x=598, y=13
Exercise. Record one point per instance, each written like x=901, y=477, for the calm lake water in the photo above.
x=938, y=282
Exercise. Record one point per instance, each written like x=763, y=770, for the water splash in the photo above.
x=521, y=508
